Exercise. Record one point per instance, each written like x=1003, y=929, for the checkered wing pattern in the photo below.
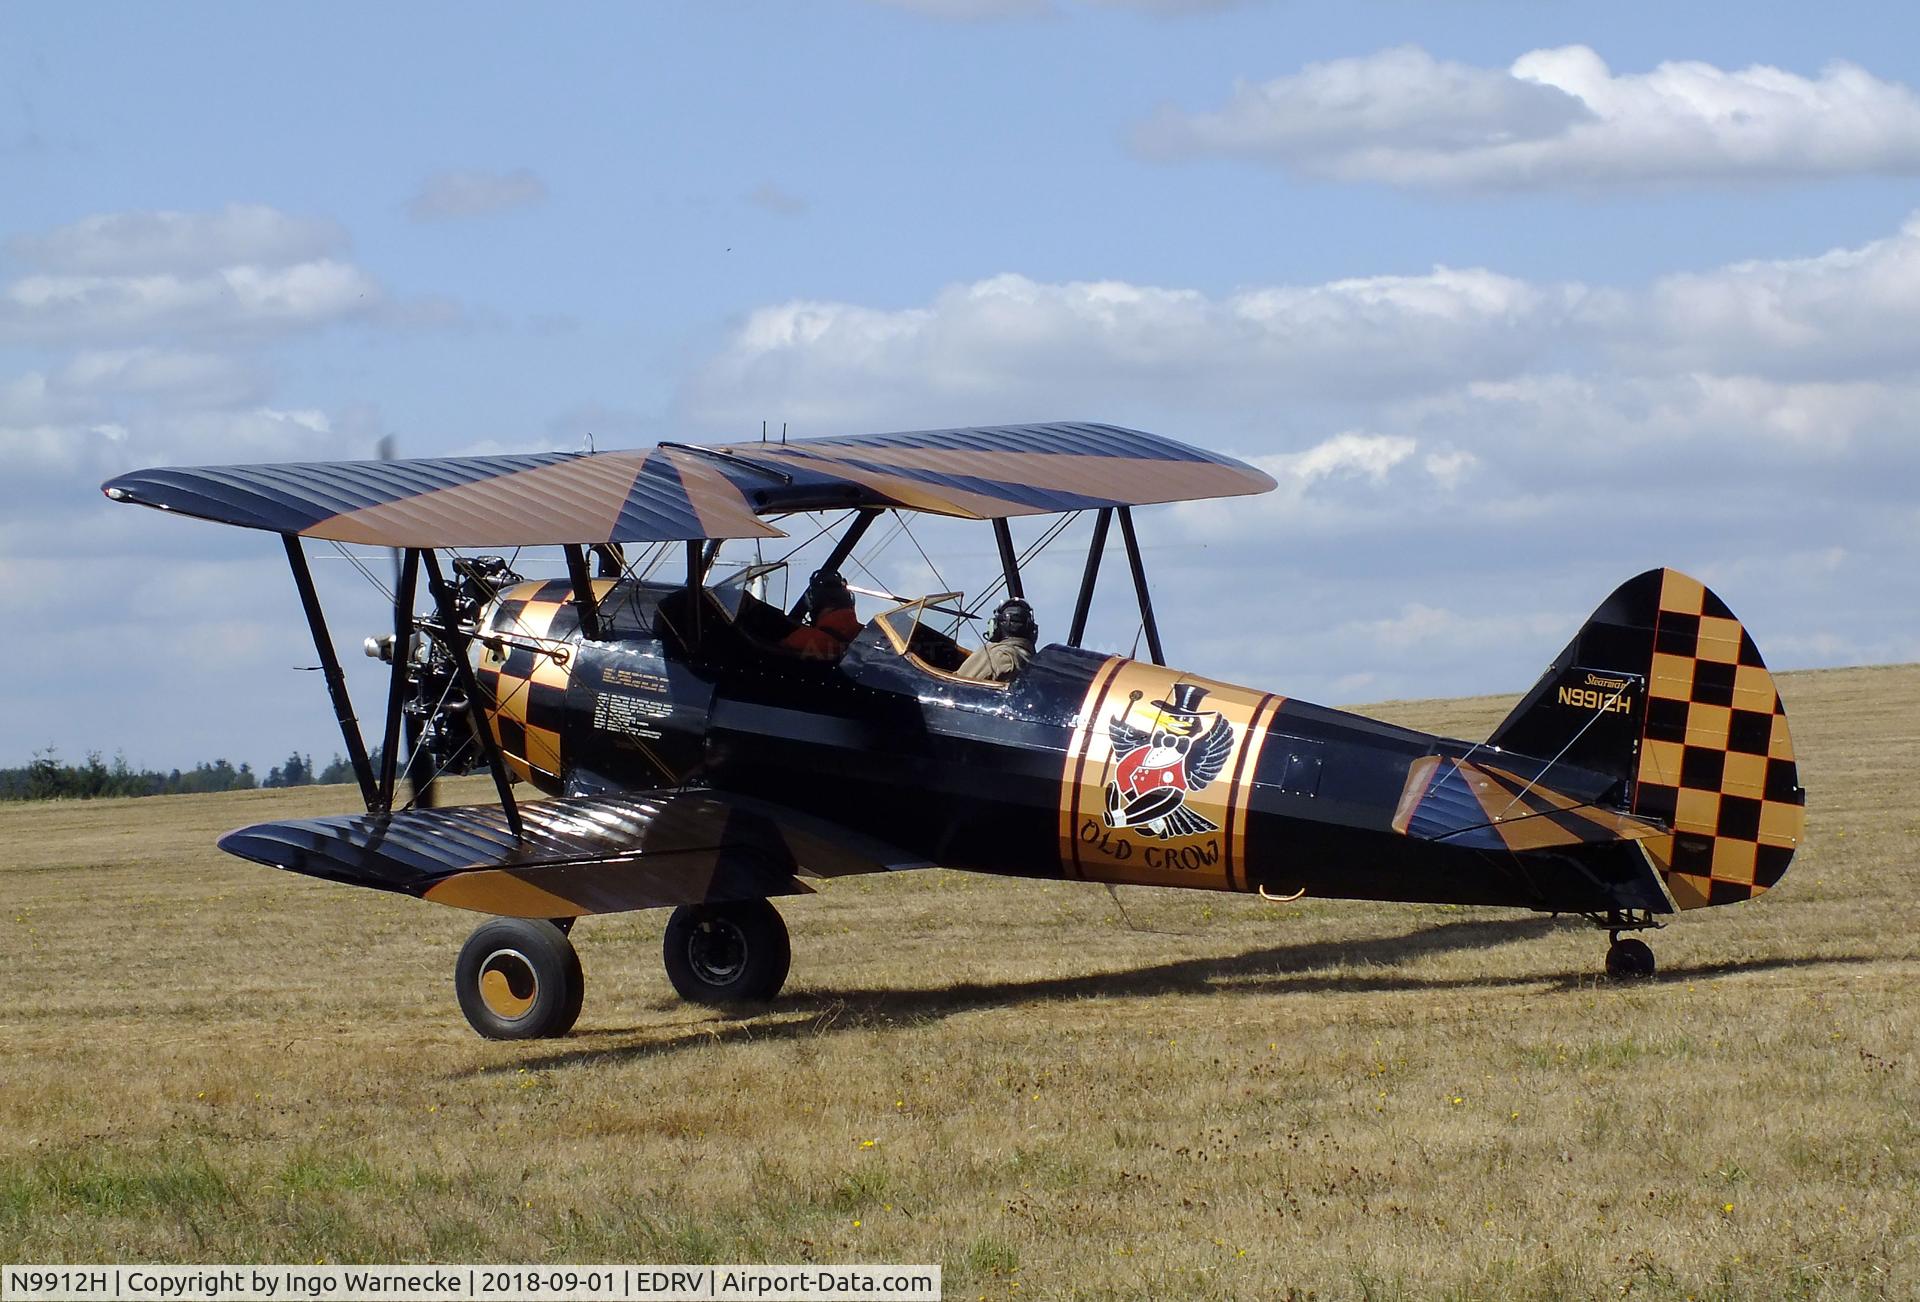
x=1716, y=759
x=522, y=663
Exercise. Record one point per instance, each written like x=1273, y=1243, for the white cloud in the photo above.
x=1553, y=117
x=447, y=195
x=1497, y=445
x=1008, y=345
x=1847, y=311
x=155, y=321
x=1364, y=456
x=1449, y=466
x=1803, y=357
x=38, y=309
x=1425, y=626
x=181, y=243
x=175, y=377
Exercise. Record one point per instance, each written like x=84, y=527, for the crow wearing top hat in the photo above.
x=1159, y=766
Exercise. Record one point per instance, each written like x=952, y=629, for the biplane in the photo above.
x=688, y=758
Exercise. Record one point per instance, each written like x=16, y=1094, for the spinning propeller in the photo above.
x=417, y=770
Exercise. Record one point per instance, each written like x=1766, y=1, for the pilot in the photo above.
x=831, y=623
x=1009, y=644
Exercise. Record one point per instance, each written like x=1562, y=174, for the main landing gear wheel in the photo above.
x=1629, y=960
x=519, y=979
x=730, y=953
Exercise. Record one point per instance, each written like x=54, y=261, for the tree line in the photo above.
x=50, y=778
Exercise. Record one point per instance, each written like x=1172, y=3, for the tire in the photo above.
x=519, y=979
x=730, y=953
x=1629, y=960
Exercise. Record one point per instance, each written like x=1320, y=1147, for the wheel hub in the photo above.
x=508, y=984
x=717, y=952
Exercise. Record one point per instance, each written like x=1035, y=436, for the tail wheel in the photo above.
x=736, y=952
x=1629, y=960
x=519, y=979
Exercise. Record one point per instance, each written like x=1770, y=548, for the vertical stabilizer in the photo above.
x=1665, y=690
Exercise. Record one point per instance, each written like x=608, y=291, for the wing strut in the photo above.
x=1095, y=550
x=1140, y=587
x=1009, y=563
x=459, y=642
x=696, y=587
x=330, y=669
x=584, y=599
x=862, y=521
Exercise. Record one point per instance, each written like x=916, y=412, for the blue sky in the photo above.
x=1510, y=319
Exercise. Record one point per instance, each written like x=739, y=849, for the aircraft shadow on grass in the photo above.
x=1279, y=969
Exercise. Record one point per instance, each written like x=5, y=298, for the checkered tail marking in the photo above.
x=1716, y=759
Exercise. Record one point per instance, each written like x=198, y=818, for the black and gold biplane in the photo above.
x=692, y=759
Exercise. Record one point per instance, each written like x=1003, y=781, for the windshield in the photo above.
x=910, y=633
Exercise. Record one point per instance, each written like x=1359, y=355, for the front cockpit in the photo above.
x=638, y=692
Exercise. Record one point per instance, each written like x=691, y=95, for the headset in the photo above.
x=1013, y=618
x=826, y=590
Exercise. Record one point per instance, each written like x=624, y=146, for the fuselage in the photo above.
x=1088, y=766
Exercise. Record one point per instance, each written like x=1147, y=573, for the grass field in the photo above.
x=209, y=1061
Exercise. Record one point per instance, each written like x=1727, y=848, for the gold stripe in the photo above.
x=503, y=892
x=570, y=501
x=1245, y=766
x=1076, y=762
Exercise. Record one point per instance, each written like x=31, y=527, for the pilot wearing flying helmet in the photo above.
x=1009, y=644
x=831, y=623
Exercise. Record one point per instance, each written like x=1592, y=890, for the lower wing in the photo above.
x=579, y=855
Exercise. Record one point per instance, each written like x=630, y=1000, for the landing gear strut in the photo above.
x=734, y=952
x=519, y=979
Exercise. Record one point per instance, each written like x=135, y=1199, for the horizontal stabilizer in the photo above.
x=1491, y=808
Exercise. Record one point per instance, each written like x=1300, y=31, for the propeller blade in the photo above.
x=385, y=450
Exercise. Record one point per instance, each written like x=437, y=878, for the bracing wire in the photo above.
x=993, y=589
x=1531, y=782
x=817, y=533
x=937, y=577
x=365, y=573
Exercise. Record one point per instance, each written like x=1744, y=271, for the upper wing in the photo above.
x=580, y=854
x=988, y=471
x=542, y=498
x=1209, y=755
x=677, y=491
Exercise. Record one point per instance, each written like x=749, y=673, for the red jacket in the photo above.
x=827, y=638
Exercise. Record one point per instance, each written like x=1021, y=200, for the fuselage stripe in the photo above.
x=1237, y=794
x=1082, y=742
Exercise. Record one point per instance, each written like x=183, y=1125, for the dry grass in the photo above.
x=205, y=1060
